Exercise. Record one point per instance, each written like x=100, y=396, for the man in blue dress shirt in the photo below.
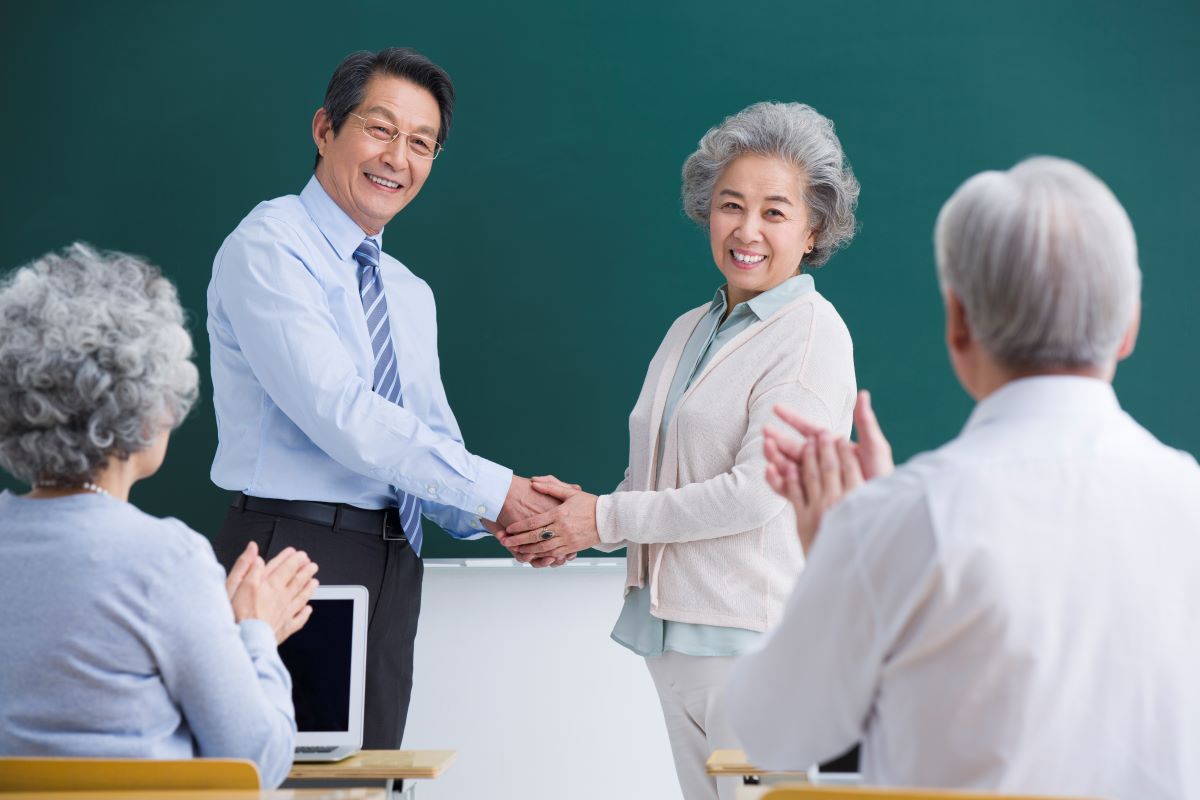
x=334, y=430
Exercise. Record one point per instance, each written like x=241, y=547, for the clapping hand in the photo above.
x=560, y=532
x=276, y=592
x=814, y=474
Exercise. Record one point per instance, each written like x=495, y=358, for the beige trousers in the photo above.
x=689, y=688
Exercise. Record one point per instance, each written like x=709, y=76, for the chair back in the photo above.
x=42, y=774
x=809, y=792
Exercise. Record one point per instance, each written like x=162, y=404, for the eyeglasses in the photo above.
x=419, y=145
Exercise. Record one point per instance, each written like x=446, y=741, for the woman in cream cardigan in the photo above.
x=712, y=551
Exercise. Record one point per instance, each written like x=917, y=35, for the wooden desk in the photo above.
x=377, y=765
x=751, y=792
x=207, y=794
x=733, y=763
x=386, y=765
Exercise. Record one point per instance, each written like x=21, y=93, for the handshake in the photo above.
x=545, y=522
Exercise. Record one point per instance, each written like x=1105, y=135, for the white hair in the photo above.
x=94, y=363
x=1044, y=260
x=802, y=137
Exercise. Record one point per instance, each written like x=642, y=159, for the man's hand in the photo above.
x=872, y=448
x=523, y=502
x=573, y=523
x=817, y=472
x=276, y=592
x=827, y=469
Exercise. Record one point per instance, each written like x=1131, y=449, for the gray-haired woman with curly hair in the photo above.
x=122, y=635
x=712, y=551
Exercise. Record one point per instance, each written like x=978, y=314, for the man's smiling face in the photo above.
x=372, y=180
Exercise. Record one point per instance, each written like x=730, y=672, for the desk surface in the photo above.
x=733, y=762
x=378, y=764
x=208, y=794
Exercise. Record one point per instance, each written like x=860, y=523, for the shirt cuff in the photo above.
x=606, y=521
x=492, y=483
x=257, y=636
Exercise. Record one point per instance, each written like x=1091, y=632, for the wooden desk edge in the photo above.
x=357, y=793
x=349, y=769
x=723, y=763
x=446, y=764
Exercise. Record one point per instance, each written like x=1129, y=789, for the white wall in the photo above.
x=515, y=670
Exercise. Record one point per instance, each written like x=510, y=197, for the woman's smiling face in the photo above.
x=758, y=225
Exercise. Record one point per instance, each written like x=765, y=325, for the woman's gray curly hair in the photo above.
x=799, y=135
x=94, y=363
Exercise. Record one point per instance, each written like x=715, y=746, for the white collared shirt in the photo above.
x=1016, y=611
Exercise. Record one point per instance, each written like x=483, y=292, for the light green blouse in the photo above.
x=637, y=628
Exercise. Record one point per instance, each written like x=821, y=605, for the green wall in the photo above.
x=550, y=230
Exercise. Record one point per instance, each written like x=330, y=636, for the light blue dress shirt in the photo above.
x=119, y=641
x=292, y=370
x=637, y=628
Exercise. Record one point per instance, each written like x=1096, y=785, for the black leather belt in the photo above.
x=384, y=523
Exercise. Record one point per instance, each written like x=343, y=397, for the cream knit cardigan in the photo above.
x=713, y=542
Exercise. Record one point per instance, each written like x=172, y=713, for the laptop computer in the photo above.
x=327, y=659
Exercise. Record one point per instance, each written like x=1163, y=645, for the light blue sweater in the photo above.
x=117, y=639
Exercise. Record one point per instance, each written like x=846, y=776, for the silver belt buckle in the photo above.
x=389, y=537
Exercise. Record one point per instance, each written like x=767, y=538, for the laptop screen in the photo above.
x=319, y=657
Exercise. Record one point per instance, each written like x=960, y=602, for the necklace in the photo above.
x=86, y=486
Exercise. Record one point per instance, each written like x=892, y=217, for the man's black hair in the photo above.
x=349, y=80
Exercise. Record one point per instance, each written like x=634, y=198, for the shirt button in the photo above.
x=481, y=510
x=433, y=490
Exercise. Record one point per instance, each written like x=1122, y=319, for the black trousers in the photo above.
x=392, y=574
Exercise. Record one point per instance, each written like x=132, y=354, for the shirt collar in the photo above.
x=342, y=233
x=1045, y=396
x=770, y=301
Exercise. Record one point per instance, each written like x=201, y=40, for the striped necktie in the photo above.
x=386, y=381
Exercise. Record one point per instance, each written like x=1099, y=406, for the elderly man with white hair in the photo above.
x=1018, y=610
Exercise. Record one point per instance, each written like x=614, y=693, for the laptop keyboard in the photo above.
x=316, y=749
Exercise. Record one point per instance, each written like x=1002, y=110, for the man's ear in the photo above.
x=964, y=351
x=958, y=329
x=322, y=130
x=1130, y=338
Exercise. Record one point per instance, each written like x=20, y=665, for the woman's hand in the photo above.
x=245, y=561
x=573, y=523
x=547, y=561
x=553, y=487
x=276, y=592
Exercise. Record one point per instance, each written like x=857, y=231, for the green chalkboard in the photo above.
x=551, y=230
